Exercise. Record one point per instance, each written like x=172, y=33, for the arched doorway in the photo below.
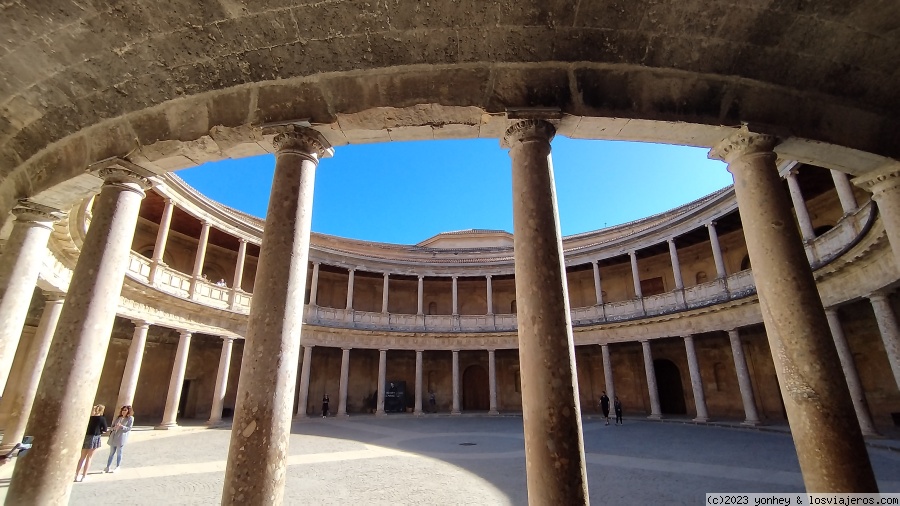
x=668, y=384
x=476, y=394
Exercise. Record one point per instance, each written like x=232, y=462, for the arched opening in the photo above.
x=701, y=278
x=476, y=393
x=745, y=263
x=512, y=307
x=668, y=385
x=432, y=308
x=822, y=229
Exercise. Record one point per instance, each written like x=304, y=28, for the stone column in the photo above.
x=418, y=405
x=215, y=415
x=255, y=472
x=696, y=380
x=492, y=383
x=350, y=288
x=844, y=191
x=829, y=443
x=303, y=397
x=345, y=377
x=635, y=275
x=162, y=236
x=382, y=380
x=384, y=294
x=314, y=285
x=806, y=228
x=890, y=331
x=717, y=250
x=455, y=407
x=554, y=444
x=239, y=271
x=455, y=296
x=598, y=290
x=71, y=373
x=608, y=372
x=15, y=405
x=132, y=365
x=857, y=394
x=652, y=389
x=676, y=265
x=419, y=296
x=20, y=265
x=884, y=184
x=743, y=377
x=490, y=295
x=176, y=382
x=200, y=258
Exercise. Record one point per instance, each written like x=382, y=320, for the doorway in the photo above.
x=476, y=391
x=668, y=385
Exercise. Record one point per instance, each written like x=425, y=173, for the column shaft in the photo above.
x=827, y=437
x=652, y=389
x=455, y=407
x=696, y=380
x=162, y=236
x=15, y=405
x=490, y=295
x=455, y=296
x=345, y=377
x=418, y=405
x=857, y=394
x=176, y=382
x=608, y=372
x=844, y=191
x=635, y=275
x=132, y=365
x=200, y=258
x=492, y=382
x=554, y=444
x=806, y=228
x=314, y=285
x=884, y=184
x=303, y=396
x=255, y=471
x=717, y=250
x=598, y=290
x=382, y=380
x=743, y=377
x=890, y=331
x=215, y=415
x=350, y=278
x=239, y=266
x=676, y=265
x=20, y=265
x=384, y=294
x=74, y=362
x=419, y=296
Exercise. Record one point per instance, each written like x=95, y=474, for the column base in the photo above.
x=493, y=412
x=700, y=419
x=343, y=415
x=654, y=417
x=212, y=424
x=751, y=423
x=380, y=413
x=167, y=426
x=456, y=413
x=301, y=416
x=418, y=413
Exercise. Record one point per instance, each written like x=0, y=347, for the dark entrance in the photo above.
x=183, y=400
x=476, y=392
x=668, y=383
x=395, y=397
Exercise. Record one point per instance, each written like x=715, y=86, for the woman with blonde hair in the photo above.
x=121, y=426
x=96, y=427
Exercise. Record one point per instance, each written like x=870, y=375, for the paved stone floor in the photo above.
x=461, y=460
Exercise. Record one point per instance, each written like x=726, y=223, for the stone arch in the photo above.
x=475, y=389
x=669, y=387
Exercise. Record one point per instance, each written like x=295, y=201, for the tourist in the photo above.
x=618, y=407
x=604, y=406
x=325, y=406
x=432, y=402
x=96, y=427
x=121, y=426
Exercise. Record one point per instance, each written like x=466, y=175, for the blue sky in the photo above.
x=406, y=192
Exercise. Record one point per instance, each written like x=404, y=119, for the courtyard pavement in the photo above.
x=445, y=460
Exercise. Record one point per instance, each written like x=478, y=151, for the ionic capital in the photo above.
x=742, y=143
x=302, y=141
x=528, y=130
x=880, y=181
x=28, y=211
x=119, y=175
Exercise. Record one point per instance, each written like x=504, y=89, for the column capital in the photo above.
x=241, y=240
x=386, y=274
x=346, y=349
x=302, y=141
x=421, y=276
x=140, y=323
x=879, y=296
x=309, y=346
x=28, y=211
x=741, y=143
x=831, y=310
x=383, y=350
x=185, y=333
x=489, y=276
x=120, y=174
x=455, y=351
x=880, y=180
x=528, y=130
x=670, y=240
x=711, y=224
x=205, y=223
x=226, y=339
x=420, y=351
x=55, y=296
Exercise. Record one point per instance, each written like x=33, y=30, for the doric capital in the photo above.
x=140, y=324
x=741, y=143
x=303, y=141
x=881, y=180
x=879, y=296
x=528, y=130
x=28, y=211
x=116, y=174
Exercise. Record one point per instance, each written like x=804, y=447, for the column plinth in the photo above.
x=74, y=362
x=554, y=444
x=827, y=437
x=255, y=471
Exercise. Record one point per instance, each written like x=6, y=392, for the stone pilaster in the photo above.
x=176, y=382
x=255, y=471
x=829, y=443
x=652, y=388
x=132, y=365
x=554, y=444
x=215, y=415
x=74, y=362
x=19, y=268
x=15, y=405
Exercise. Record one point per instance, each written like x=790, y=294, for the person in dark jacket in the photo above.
x=604, y=406
x=96, y=427
x=618, y=407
